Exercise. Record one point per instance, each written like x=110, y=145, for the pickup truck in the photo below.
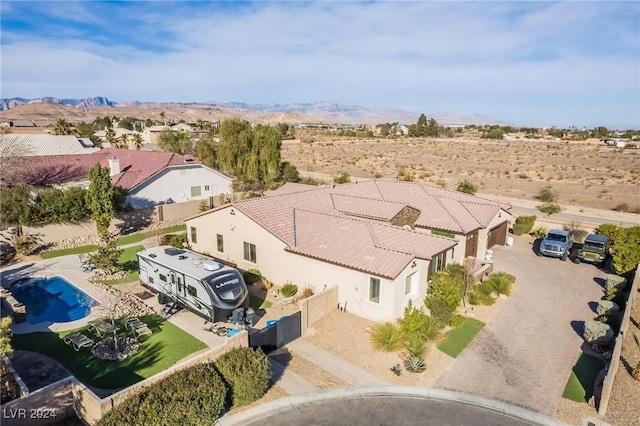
x=594, y=250
x=557, y=243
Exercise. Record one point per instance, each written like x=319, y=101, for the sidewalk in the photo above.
x=291, y=382
x=336, y=366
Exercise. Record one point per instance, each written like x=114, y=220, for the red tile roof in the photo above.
x=135, y=166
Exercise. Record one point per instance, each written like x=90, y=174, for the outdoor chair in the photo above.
x=101, y=327
x=78, y=340
x=142, y=331
x=134, y=323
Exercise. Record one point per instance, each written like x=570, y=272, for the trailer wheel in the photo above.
x=162, y=299
x=222, y=331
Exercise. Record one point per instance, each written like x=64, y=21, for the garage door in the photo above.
x=497, y=235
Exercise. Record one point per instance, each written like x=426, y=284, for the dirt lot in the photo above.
x=584, y=175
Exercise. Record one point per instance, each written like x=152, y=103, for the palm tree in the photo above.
x=137, y=141
x=162, y=115
x=62, y=127
x=110, y=136
x=123, y=141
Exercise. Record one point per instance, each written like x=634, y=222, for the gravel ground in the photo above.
x=314, y=374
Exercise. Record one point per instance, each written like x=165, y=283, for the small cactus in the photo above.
x=607, y=307
x=597, y=332
x=414, y=364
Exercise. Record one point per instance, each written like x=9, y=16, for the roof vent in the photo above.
x=153, y=255
x=172, y=251
x=211, y=266
x=407, y=227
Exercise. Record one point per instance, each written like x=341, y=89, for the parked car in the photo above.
x=557, y=243
x=594, y=250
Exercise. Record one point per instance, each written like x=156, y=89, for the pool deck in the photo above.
x=70, y=269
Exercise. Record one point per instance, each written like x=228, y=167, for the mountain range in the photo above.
x=327, y=112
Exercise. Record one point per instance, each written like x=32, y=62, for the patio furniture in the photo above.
x=101, y=327
x=284, y=301
x=134, y=323
x=78, y=340
x=142, y=331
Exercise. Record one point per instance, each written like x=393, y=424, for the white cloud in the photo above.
x=418, y=55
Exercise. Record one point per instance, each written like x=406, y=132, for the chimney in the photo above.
x=114, y=166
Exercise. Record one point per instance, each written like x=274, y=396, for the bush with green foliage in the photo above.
x=386, y=337
x=523, y=224
x=289, y=289
x=500, y=283
x=456, y=321
x=415, y=364
x=547, y=194
x=307, y=291
x=415, y=344
x=194, y=396
x=481, y=294
x=246, y=372
x=467, y=187
x=341, y=177
x=596, y=332
x=251, y=276
x=175, y=240
x=625, y=246
x=445, y=293
x=549, y=208
x=106, y=257
x=539, y=232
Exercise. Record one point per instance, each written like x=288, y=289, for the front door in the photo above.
x=471, y=248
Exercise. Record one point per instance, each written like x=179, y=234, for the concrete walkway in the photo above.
x=291, y=382
x=336, y=366
x=524, y=355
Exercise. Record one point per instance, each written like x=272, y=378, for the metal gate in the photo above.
x=285, y=330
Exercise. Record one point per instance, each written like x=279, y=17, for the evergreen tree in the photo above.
x=100, y=196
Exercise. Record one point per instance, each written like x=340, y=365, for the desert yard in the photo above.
x=584, y=175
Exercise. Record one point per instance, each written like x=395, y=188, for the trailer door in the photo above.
x=144, y=275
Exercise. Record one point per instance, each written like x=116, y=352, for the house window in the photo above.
x=163, y=278
x=192, y=291
x=196, y=191
x=250, y=252
x=374, y=289
x=411, y=284
x=194, y=235
x=220, y=241
x=438, y=262
x=206, y=187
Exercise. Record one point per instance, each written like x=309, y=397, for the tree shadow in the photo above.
x=600, y=281
x=134, y=220
x=627, y=365
x=11, y=276
x=280, y=360
x=578, y=327
x=535, y=246
x=593, y=306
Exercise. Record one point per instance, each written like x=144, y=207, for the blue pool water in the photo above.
x=52, y=299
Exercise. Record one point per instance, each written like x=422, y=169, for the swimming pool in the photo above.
x=52, y=299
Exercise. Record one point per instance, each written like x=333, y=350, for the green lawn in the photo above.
x=167, y=345
x=258, y=303
x=583, y=376
x=129, y=261
x=75, y=250
x=457, y=339
x=136, y=238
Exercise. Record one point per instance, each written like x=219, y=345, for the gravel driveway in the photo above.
x=525, y=354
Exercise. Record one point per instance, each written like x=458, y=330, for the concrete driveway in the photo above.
x=525, y=354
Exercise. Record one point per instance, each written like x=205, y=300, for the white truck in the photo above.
x=189, y=279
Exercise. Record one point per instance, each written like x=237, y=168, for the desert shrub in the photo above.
x=246, y=372
x=615, y=282
x=549, y=208
x=386, y=337
x=597, y=332
x=417, y=323
x=251, y=276
x=341, y=177
x=500, y=283
x=625, y=257
x=579, y=235
x=289, y=289
x=547, y=194
x=539, y=232
x=441, y=311
x=415, y=364
x=193, y=396
x=607, y=307
x=415, y=345
x=307, y=291
x=445, y=293
x=456, y=321
x=523, y=224
x=467, y=187
x=480, y=294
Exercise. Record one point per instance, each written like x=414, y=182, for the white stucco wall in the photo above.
x=174, y=183
x=280, y=266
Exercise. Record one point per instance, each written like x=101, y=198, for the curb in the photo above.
x=298, y=401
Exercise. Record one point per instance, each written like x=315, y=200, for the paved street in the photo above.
x=525, y=354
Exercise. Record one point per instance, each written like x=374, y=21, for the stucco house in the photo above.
x=374, y=240
x=150, y=177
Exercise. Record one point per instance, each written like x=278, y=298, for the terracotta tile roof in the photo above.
x=136, y=166
x=32, y=145
x=382, y=250
x=366, y=207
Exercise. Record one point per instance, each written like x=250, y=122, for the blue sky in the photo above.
x=526, y=63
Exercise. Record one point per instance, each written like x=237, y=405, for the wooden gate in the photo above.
x=285, y=330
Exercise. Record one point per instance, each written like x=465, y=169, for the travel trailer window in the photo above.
x=192, y=291
x=150, y=280
x=163, y=278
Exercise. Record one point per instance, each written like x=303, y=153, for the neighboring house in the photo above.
x=151, y=133
x=28, y=145
x=150, y=177
x=373, y=240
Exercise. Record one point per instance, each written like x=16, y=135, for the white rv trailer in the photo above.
x=192, y=280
